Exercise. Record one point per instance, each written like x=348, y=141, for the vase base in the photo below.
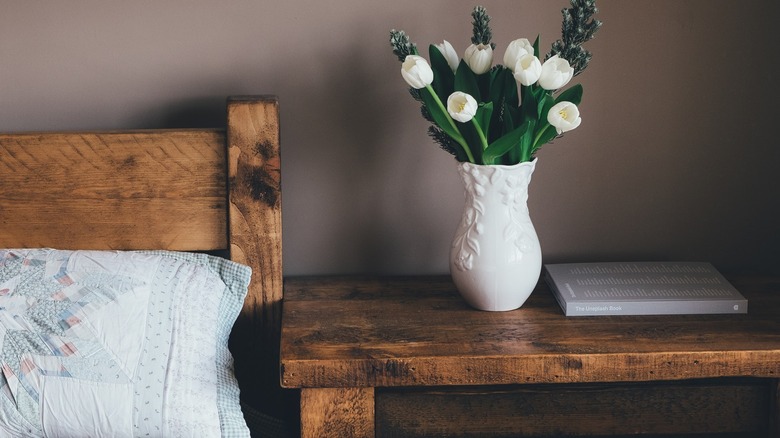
x=494, y=294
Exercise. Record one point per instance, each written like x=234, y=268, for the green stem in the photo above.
x=466, y=148
x=481, y=134
x=539, y=136
x=461, y=141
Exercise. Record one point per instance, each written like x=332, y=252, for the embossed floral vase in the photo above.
x=495, y=259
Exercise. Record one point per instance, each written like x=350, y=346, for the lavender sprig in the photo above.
x=481, y=22
x=577, y=28
x=402, y=47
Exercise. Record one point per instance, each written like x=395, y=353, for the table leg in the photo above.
x=337, y=412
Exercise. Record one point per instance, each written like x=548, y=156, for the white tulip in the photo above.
x=527, y=70
x=564, y=116
x=479, y=58
x=556, y=72
x=516, y=50
x=461, y=106
x=449, y=54
x=416, y=71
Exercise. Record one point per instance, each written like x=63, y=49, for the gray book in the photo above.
x=642, y=288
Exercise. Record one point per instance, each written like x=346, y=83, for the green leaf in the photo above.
x=510, y=89
x=545, y=105
x=443, y=77
x=471, y=137
x=466, y=81
x=484, y=113
x=504, y=144
x=484, y=82
x=536, y=48
x=437, y=113
x=503, y=90
x=573, y=95
x=511, y=120
x=511, y=117
x=497, y=85
x=530, y=102
x=544, y=135
x=526, y=143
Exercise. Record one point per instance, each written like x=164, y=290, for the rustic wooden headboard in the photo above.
x=188, y=190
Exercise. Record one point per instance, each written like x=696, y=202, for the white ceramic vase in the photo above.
x=495, y=259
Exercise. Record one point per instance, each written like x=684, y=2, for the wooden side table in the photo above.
x=407, y=357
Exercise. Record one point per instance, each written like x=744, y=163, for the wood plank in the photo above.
x=256, y=240
x=419, y=332
x=337, y=413
x=429, y=371
x=690, y=407
x=108, y=190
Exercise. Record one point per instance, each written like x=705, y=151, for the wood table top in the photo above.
x=417, y=331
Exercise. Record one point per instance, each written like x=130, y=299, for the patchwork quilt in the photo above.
x=121, y=344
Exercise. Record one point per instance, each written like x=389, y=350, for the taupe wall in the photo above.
x=676, y=157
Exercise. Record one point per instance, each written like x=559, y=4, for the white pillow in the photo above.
x=107, y=343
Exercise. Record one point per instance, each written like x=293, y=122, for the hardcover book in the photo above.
x=642, y=288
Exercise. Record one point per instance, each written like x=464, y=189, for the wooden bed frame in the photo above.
x=186, y=190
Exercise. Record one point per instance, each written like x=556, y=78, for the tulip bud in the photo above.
x=564, y=116
x=516, y=50
x=449, y=54
x=556, y=72
x=416, y=71
x=461, y=106
x=479, y=58
x=527, y=70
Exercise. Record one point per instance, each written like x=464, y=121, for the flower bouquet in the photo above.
x=493, y=119
x=502, y=114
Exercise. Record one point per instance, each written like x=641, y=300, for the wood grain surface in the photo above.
x=337, y=413
x=348, y=332
x=110, y=190
x=255, y=226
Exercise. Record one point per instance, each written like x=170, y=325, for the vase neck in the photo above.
x=479, y=178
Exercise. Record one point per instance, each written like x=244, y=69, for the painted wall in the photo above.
x=676, y=157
